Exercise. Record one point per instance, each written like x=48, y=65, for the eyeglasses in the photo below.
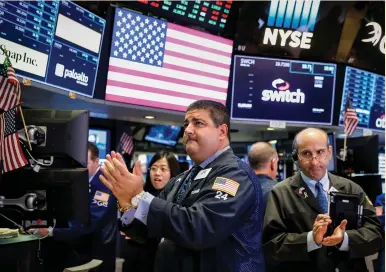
x=308, y=156
x=155, y=169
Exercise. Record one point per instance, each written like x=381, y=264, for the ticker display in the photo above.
x=208, y=14
x=53, y=42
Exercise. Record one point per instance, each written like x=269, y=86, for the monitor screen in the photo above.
x=167, y=135
x=267, y=89
x=211, y=15
x=163, y=65
x=367, y=94
x=332, y=162
x=101, y=138
x=42, y=43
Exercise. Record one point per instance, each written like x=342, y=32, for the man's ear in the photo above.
x=97, y=161
x=223, y=131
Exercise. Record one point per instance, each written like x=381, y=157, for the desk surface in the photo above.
x=20, y=239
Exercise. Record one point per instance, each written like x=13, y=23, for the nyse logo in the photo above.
x=247, y=62
x=380, y=122
x=282, y=93
x=80, y=78
x=298, y=17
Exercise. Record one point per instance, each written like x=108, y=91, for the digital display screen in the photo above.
x=267, y=89
x=167, y=135
x=101, y=138
x=163, y=65
x=367, y=94
x=54, y=42
x=208, y=14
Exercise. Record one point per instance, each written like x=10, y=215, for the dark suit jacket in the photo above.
x=290, y=216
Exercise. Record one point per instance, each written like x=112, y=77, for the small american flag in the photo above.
x=11, y=150
x=101, y=196
x=350, y=118
x=160, y=64
x=10, y=92
x=127, y=143
x=226, y=185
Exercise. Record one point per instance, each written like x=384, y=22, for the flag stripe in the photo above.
x=142, y=82
x=201, y=47
x=138, y=94
x=191, y=69
x=183, y=93
x=146, y=102
x=198, y=37
x=195, y=54
x=176, y=76
x=180, y=59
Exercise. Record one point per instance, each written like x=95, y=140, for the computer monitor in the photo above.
x=66, y=135
x=101, y=138
x=163, y=134
x=63, y=195
x=332, y=163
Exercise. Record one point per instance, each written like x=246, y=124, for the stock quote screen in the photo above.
x=266, y=89
x=54, y=42
x=208, y=14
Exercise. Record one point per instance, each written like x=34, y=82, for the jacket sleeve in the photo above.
x=278, y=242
x=212, y=218
x=98, y=212
x=370, y=238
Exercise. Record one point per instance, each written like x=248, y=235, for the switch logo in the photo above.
x=286, y=18
x=282, y=93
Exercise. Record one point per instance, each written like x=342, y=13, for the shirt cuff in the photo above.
x=128, y=217
x=143, y=208
x=311, y=245
x=344, y=246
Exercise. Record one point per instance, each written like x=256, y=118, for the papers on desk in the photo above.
x=8, y=233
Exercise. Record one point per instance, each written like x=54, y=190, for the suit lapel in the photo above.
x=302, y=191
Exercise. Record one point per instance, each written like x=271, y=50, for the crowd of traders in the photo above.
x=222, y=214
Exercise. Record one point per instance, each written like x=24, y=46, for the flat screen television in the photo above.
x=265, y=89
x=163, y=134
x=332, y=164
x=101, y=138
x=367, y=95
x=159, y=64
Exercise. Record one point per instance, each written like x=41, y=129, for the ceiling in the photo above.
x=44, y=96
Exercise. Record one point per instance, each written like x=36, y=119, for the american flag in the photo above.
x=226, y=185
x=101, y=196
x=127, y=144
x=159, y=64
x=10, y=93
x=350, y=118
x=11, y=150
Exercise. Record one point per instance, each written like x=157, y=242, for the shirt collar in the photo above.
x=90, y=178
x=311, y=183
x=213, y=157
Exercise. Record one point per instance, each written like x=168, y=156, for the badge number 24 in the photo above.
x=221, y=195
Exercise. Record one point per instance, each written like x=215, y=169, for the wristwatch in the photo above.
x=135, y=200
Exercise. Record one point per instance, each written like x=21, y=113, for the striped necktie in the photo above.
x=186, y=183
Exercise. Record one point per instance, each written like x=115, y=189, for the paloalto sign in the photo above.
x=377, y=31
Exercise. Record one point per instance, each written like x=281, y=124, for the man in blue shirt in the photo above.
x=296, y=219
x=263, y=159
x=209, y=216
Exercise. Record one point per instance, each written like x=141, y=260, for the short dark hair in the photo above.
x=173, y=166
x=93, y=150
x=218, y=112
x=258, y=159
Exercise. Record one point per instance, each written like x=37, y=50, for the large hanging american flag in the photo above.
x=159, y=64
x=350, y=118
x=11, y=151
x=10, y=93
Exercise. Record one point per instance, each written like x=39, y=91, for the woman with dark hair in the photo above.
x=140, y=257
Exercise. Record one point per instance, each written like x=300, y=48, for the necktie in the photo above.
x=321, y=197
x=186, y=183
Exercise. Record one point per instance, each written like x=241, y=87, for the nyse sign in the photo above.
x=287, y=38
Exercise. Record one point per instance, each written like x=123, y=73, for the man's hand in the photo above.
x=320, y=227
x=41, y=231
x=119, y=180
x=337, y=237
x=126, y=237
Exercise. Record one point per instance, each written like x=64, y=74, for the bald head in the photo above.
x=260, y=155
x=310, y=135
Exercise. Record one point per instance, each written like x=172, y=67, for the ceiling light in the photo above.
x=270, y=128
x=150, y=117
x=273, y=142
